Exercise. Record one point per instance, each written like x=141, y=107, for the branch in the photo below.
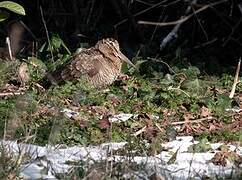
x=182, y=19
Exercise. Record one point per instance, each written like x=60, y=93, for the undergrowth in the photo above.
x=181, y=92
x=158, y=94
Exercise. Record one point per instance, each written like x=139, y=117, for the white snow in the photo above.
x=46, y=161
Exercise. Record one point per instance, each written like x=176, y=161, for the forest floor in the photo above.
x=145, y=110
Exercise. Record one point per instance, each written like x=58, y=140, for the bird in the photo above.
x=100, y=65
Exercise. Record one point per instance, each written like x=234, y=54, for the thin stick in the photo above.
x=160, y=61
x=182, y=19
x=28, y=29
x=140, y=131
x=159, y=127
x=164, y=23
x=47, y=34
x=236, y=80
x=9, y=48
x=139, y=13
x=178, y=89
x=193, y=121
x=11, y=94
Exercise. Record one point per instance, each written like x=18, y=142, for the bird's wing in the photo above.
x=85, y=63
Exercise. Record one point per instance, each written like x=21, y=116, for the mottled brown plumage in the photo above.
x=100, y=65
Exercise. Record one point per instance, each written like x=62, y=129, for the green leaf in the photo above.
x=3, y=15
x=223, y=102
x=194, y=87
x=12, y=6
x=37, y=68
x=192, y=72
x=56, y=42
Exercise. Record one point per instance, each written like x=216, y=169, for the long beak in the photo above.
x=125, y=59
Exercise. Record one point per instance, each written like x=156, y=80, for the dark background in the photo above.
x=209, y=39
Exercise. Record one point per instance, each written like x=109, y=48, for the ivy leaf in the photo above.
x=12, y=6
x=56, y=42
x=223, y=102
x=194, y=87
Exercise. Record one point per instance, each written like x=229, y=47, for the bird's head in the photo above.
x=110, y=48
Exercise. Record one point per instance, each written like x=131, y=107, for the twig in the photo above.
x=165, y=23
x=47, y=34
x=28, y=29
x=205, y=44
x=240, y=7
x=236, y=80
x=9, y=48
x=183, y=19
x=143, y=2
x=173, y=89
x=140, y=131
x=193, y=121
x=39, y=87
x=139, y=13
x=200, y=24
x=159, y=127
x=160, y=61
x=230, y=37
x=11, y=94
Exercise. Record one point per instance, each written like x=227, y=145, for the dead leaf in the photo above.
x=187, y=117
x=188, y=127
x=150, y=133
x=168, y=112
x=219, y=159
x=81, y=121
x=103, y=123
x=123, y=77
x=47, y=111
x=114, y=99
x=23, y=74
x=205, y=112
x=146, y=118
x=99, y=110
x=156, y=176
x=137, y=106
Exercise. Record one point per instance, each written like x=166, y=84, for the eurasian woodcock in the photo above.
x=100, y=65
